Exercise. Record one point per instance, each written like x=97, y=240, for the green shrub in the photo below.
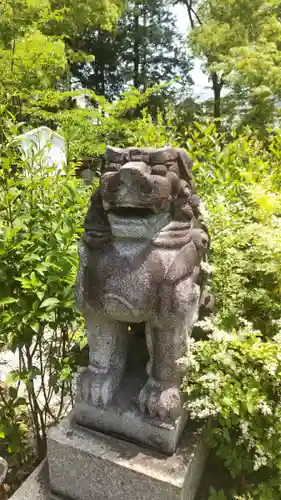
x=41, y=214
x=229, y=374
x=13, y=425
x=239, y=182
x=234, y=375
x=235, y=379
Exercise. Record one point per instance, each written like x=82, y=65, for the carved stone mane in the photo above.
x=140, y=262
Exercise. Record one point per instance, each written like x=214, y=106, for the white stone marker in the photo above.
x=44, y=147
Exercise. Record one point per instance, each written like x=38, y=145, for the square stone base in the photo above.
x=88, y=465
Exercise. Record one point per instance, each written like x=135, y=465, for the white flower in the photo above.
x=244, y=426
x=270, y=433
x=272, y=368
x=206, y=267
x=265, y=408
x=260, y=459
x=277, y=337
x=220, y=335
x=203, y=210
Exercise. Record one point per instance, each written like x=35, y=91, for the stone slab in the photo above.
x=122, y=417
x=128, y=422
x=88, y=465
x=36, y=486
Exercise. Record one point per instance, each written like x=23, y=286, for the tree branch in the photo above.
x=192, y=14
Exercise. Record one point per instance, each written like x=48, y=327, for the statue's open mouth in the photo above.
x=132, y=212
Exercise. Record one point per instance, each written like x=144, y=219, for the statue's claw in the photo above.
x=96, y=388
x=160, y=399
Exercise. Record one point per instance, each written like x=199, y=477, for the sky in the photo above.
x=202, y=89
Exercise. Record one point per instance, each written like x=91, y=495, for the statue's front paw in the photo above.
x=96, y=388
x=160, y=399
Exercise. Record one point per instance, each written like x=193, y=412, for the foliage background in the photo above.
x=239, y=181
x=53, y=57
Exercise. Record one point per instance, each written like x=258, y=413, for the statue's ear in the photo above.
x=185, y=165
x=97, y=227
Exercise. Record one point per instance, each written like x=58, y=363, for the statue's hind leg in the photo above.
x=108, y=341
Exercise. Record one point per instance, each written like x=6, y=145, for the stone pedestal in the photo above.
x=89, y=465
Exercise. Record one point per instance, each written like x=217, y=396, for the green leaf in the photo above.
x=50, y=302
x=65, y=373
x=13, y=393
x=7, y=300
x=83, y=343
x=34, y=280
x=20, y=402
x=30, y=257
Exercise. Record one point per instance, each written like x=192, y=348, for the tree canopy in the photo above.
x=35, y=42
x=144, y=48
x=109, y=46
x=239, y=43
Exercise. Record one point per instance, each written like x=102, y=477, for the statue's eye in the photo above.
x=159, y=170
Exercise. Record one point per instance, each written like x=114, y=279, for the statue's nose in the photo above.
x=133, y=171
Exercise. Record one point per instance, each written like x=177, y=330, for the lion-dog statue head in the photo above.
x=140, y=261
x=143, y=184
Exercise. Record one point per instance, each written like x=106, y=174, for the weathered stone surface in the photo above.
x=140, y=262
x=87, y=465
x=3, y=470
x=37, y=486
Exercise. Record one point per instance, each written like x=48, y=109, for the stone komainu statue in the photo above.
x=140, y=262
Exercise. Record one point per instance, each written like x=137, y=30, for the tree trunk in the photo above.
x=144, y=61
x=217, y=88
x=102, y=79
x=136, y=53
x=99, y=67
